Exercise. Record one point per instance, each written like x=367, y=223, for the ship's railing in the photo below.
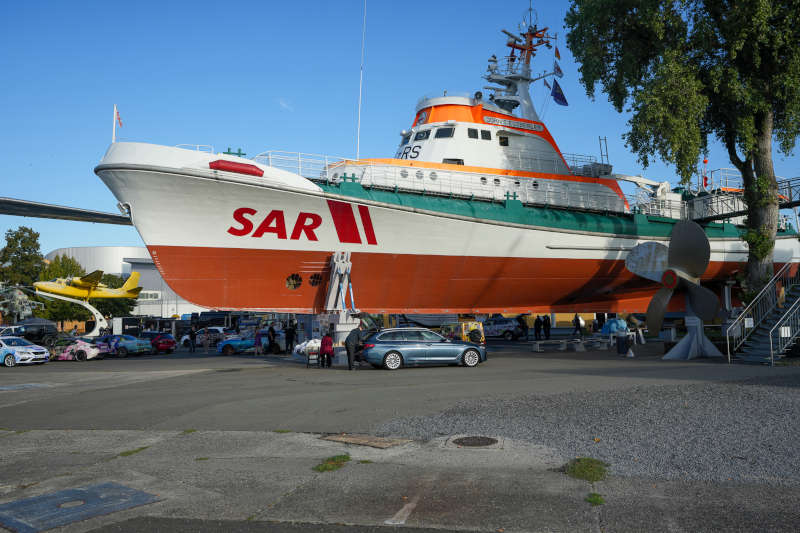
x=761, y=306
x=646, y=204
x=311, y=166
x=468, y=185
x=199, y=147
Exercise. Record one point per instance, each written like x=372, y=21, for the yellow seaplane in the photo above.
x=89, y=286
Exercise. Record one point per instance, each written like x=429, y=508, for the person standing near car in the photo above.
x=351, y=344
x=537, y=328
x=271, y=340
x=326, y=350
x=546, y=326
x=192, y=340
x=290, y=334
x=207, y=340
x=74, y=331
x=259, y=348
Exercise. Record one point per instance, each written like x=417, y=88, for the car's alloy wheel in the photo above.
x=509, y=336
x=9, y=360
x=122, y=352
x=392, y=361
x=228, y=350
x=186, y=343
x=80, y=355
x=471, y=358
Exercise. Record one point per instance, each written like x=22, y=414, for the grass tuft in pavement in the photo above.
x=128, y=453
x=188, y=431
x=365, y=461
x=586, y=468
x=332, y=463
x=595, y=499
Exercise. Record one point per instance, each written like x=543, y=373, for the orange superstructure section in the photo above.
x=225, y=278
x=474, y=114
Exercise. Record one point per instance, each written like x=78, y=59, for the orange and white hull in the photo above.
x=224, y=240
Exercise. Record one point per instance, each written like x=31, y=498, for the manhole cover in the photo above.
x=475, y=441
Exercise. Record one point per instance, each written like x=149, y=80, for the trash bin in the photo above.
x=622, y=343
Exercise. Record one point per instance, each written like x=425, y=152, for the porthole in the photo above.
x=404, y=173
x=315, y=280
x=483, y=181
x=535, y=184
x=516, y=183
x=419, y=174
x=433, y=175
x=496, y=181
x=293, y=281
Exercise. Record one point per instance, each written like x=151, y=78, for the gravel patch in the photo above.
x=730, y=431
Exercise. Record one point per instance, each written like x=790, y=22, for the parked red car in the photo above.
x=161, y=342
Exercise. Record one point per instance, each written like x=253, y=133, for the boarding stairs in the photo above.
x=768, y=327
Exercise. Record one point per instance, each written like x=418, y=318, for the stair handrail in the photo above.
x=792, y=314
x=758, y=309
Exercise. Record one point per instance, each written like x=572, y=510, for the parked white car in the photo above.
x=217, y=334
x=18, y=351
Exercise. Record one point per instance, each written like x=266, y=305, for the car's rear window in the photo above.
x=167, y=336
x=391, y=336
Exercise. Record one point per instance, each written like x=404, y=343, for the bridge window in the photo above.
x=472, y=133
x=444, y=133
x=422, y=135
x=405, y=140
x=503, y=140
x=486, y=135
x=453, y=161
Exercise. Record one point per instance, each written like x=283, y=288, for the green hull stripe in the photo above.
x=514, y=212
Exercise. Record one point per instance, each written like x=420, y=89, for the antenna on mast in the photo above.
x=361, y=82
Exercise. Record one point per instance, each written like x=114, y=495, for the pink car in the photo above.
x=81, y=350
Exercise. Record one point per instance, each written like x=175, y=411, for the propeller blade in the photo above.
x=689, y=249
x=657, y=309
x=648, y=260
x=703, y=301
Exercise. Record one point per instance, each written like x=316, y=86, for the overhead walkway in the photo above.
x=718, y=207
x=25, y=208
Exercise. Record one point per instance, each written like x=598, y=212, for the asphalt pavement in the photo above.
x=229, y=444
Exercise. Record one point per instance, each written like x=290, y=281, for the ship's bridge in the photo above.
x=469, y=131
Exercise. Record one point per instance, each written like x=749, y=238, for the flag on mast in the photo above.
x=547, y=84
x=119, y=119
x=558, y=54
x=557, y=70
x=558, y=94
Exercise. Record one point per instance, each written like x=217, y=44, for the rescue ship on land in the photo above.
x=478, y=211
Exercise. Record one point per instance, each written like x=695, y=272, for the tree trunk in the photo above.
x=762, y=208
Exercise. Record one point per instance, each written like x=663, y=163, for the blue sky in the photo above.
x=252, y=75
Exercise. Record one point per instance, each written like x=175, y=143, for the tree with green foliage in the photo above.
x=111, y=307
x=21, y=259
x=688, y=70
x=62, y=266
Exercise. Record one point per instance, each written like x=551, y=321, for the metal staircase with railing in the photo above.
x=770, y=324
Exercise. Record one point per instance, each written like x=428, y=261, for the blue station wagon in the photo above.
x=393, y=348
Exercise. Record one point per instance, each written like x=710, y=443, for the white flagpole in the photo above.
x=114, y=127
x=361, y=82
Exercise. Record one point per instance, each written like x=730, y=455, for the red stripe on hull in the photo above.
x=225, y=278
x=344, y=221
